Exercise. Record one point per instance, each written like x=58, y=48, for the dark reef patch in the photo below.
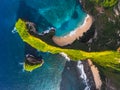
x=75, y=15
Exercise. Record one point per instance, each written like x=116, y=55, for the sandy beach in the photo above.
x=75, y=34
x=96, y=75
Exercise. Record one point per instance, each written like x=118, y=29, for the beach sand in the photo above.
x=96, y=75
x=75, y=34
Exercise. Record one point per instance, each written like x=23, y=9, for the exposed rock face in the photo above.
x=106, y=25
x=119, y=5
x=31, y=28
x=116, y=9
x=30, y=59
x=109, y=84
x=108, y=38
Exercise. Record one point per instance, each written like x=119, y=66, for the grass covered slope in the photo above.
x=105, y=3
x=30, y=68
x=106, y=59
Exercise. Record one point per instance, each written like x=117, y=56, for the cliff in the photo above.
x=107, y=34
x=106, y=59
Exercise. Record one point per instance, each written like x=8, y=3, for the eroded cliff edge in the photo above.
x=107, y=36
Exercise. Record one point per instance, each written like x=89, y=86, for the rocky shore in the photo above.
x=91, y=76
x=105, y=19
x=106, y=23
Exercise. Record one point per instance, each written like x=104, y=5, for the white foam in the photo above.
x=83, y=75
x=14, y=30
x=85, y=21
x=72, y=33
x=22, y=64
x=47, y=31
x=65, y=55
x=79, y=26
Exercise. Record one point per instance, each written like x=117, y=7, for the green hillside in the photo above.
x=106, y=59
x=105, y=3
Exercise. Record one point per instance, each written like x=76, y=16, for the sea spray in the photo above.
x=83, y=75
x=21, y=64
x=65, y=56
x=14, y=30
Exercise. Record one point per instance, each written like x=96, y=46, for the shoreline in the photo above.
x=75, y=34
x=96, y=76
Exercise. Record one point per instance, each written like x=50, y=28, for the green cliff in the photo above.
x=105, y=3
x=106, y=59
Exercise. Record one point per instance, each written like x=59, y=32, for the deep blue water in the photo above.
x=12, y=51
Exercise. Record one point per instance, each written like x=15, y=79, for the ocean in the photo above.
x=13, y=49
x=63, y=15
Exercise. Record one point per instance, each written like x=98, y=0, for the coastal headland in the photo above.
x=106, y=16
x=106, y=59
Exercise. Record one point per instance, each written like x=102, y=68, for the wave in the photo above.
x=83, y=75
x=14, y=30
x=21, y=64
x=65, y=55
x=47, y=31
x=74, y=31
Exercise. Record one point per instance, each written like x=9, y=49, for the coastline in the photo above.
x=96, y=76
x=75, y=34
x=82, y=78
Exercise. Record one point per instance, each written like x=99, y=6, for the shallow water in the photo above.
x=63, y=15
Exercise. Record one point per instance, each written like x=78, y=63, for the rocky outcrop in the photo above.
x=32, y=63
x=31, y=60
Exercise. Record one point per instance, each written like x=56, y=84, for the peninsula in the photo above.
x=106, y=59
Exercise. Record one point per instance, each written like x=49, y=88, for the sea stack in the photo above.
x=32, y=62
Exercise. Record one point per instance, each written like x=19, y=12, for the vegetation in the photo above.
x=105, y=3
x=30, y=68
x=106, y=59
x=106, y=25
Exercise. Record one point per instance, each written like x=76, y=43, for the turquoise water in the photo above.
x=13, y=50
x=63, y=15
